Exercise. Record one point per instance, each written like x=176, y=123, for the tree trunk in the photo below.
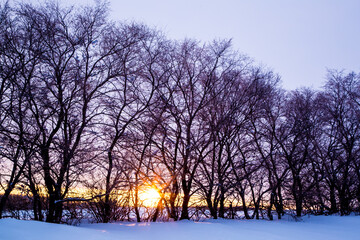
x=222, y=207
x=358, y=195
x=269, y=210
x=37, y=207
x=4, y=199
x=280, y=205
x=245, y=209
x=298, y=207
x=212, y=208
x=157, y=211
x=136, y=205
x=344, y=202
x=298, y=194
x=58, y=212
x=173, y=195
x=256, y=210
x=232, y=213
x=55, y=205
x=51, y=209
x=106, y=214
x=186, y=199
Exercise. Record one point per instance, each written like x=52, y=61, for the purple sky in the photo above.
x=299, y=39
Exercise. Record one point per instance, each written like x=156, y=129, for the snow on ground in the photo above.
x=314, y=227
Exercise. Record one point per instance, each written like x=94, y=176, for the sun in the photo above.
x=149, y=197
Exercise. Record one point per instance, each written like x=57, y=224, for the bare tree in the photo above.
x=142, y=67
x=18, y=60
x=296, y=139
x=71, y=74
x=197, y=70
x=342, y=107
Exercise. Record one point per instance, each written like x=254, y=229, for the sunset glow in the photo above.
x=149, y=197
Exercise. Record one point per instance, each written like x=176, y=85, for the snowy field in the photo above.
x=314, y=227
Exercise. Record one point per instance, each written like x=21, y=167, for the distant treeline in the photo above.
x=91, y=111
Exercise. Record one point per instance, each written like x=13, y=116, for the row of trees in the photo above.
x=92, y=111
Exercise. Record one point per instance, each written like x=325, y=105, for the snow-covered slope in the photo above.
x=320, y=227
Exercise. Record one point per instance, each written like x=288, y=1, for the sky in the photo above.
x=298, y=39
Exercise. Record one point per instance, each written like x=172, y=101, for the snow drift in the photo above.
x=314, y=227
